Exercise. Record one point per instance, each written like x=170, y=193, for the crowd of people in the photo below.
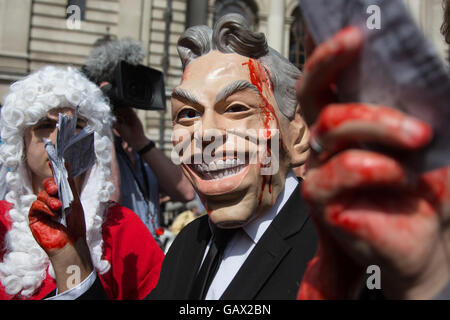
x=296, y=204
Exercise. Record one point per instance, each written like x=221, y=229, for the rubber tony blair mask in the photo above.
x=237, y=128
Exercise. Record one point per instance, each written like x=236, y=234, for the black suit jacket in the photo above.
x=273, y=270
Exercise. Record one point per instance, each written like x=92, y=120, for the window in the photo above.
x=248, y=9
x=296, y=39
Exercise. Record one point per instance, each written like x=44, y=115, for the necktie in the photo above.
x=211, y=263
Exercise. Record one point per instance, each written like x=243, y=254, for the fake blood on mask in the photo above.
x=259, y=79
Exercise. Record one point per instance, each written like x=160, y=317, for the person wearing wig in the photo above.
x=102, y=239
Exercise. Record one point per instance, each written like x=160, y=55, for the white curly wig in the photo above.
x=25, y=263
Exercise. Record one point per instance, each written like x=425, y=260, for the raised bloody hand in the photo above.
x=65, y=246
x=50, y=235
x=367, y=206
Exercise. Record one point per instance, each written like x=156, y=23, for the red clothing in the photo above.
x=133, y=254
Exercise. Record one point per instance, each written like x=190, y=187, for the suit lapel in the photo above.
x=194, y=257
x=269, y=251
x=185, y=258
x=264, y=258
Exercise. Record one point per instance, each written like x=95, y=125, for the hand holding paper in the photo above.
x=65, y=245
x=76, y=149
x=60, y=234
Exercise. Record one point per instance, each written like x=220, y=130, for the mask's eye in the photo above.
x=237, y=108
x=188, y=114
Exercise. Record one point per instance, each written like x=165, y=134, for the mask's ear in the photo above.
x=298, y=140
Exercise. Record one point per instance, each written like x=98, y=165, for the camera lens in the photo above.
x=136, y=90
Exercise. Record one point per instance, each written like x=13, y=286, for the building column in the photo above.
x=275, y=25
x=13, y=42
x=130, y=19
x=197, y=12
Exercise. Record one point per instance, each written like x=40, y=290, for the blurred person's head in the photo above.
x=30, y=113
x=235, y=87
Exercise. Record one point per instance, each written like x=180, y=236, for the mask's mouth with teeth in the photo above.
x=220, y=176
x=219, y=169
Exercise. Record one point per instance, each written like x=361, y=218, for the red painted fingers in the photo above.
x=39, y=210
x=42, y=216
x=50, y=186
x=48, y=233
x=340, y=125
x=315, y=88
x=53, y=203
x=352, y=169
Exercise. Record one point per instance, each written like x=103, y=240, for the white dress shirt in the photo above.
x=77, y=291
x=243, y=242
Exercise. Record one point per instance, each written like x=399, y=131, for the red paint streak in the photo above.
x=263, y=185
x=259, y=79
x=270, y=184
x=159, y=231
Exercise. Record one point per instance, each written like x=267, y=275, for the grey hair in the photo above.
x=231, y=34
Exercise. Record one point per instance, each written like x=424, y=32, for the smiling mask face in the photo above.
x=230, y=136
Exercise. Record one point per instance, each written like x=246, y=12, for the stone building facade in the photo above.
x=34, y=33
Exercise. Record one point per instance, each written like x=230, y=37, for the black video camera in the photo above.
x=137, y=86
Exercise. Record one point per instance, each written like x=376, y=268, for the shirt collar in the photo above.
x=256, y=228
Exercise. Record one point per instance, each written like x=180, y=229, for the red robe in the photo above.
x=133, y=254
